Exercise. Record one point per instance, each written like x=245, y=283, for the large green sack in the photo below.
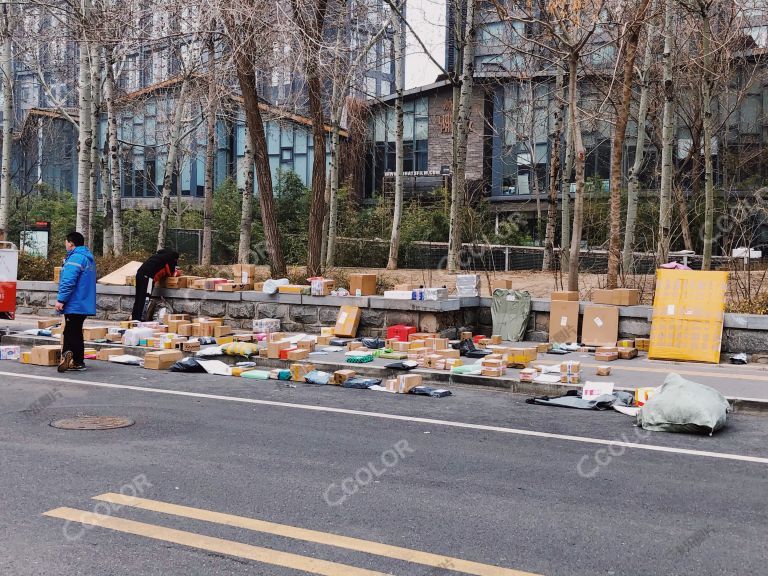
x=510, y=310
x=680, y=405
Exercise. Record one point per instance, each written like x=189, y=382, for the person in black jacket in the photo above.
x=158, y=266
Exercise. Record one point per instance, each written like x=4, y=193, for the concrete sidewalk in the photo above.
x=745, y=385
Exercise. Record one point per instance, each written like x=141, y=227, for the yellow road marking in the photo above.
x=218, y=545
x=325, y=538
x=720, y=375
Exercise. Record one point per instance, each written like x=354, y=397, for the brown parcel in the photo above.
x=600, y=326
x=94, y=333
x=365, y=283
x=105, y=353
x=162, y=359
x=347, y=321
x=563, y=321
x=48, y=355
x=569, y=295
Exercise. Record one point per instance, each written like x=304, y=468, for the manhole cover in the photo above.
x=92, y=423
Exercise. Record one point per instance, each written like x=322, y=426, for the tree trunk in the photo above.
x=709, y=188
x=85, y=133
x=580, y=155
x=311, y=21
x=394, y=241
x=565, y=196
x=114, y=157
x=617, y=146
x=554, y=175
x=667, y=138
x=246, y=75
x=170, y=165
x=95, y=60
x=333, y=200
x=460, y=127
x=246, y=212
x=6, y=67
x=210, y=157
x=108, y=235
x=634, y=172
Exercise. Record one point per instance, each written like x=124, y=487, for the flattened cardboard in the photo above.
x=600, y=326
x=118, y=277
x=563, y=321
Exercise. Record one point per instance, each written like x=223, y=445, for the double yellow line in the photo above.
x=266, y=555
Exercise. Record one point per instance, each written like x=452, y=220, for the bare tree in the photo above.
x=463, y=86
x=634, y=21
x=210, y=148
x=309, y=16
x=6, y=68
x=246, y=216
x=399, y=41
x=633, y=177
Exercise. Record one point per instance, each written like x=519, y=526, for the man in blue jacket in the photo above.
x=76, y=299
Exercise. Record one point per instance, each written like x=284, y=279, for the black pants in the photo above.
x=142, y=282
x=73, y=337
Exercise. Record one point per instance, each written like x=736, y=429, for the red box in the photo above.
x=284, y=352
x=400, y=332
x=7, y=296
x=479, y=337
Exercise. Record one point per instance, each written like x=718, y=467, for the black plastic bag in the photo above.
x=373, y=343
x=189, y=365
x=361, y=383
x=429, y=391
x=405, y=365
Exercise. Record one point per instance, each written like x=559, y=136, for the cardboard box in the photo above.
x=299, y=371
x=298, y=354
x=11, y=352
x=570, y=379
x=347, y=321
x=114, y=337
x=274, y=348
x=404, y=383
x=219, y=331
x=626, y=343
x=501, y=284
x=295, y=289
x=362, y=284
x=570, y=367
x=341, y=376
x=437, y=343
x=567, y=295
x=184, y=329
x=607, y=354
x=46, y=355
x=95, y=332
x=243, y=273
x=543, y=348
x=642, y=344
x=105, y=353
x=186, y=281
x=171, y=282
x=495, y=339
x=420, y=336
x=528, y=374
x=57, y=274
x=191, y=346
x=323, y=340
x=307, y=342
x=322, y=287
x=492, y=372
x=627, y=352
x=600, y=326
x=563, y=321
x=448, y=353
x=521, y=355
x=617, y=297
x=603, y=371
x=161, y=359
x=406, y=287
x=49, y=323
x=266, y=325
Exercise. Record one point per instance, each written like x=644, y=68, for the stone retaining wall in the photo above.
x=742, y=332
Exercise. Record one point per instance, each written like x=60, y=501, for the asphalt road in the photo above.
x=461, y=480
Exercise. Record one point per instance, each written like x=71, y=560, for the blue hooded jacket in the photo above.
x=77, y=282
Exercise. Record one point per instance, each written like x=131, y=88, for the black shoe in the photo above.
x=77, y=368
x=66, y=362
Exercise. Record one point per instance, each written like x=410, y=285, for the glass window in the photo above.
x=286, y=137
x=379, y=135
x=273, y=139
x=421, y=107
x=386, y=88
x=408, y=126
x=421, y=129
x=492, y=33
x=300, y=142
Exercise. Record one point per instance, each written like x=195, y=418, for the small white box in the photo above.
x=10, y=352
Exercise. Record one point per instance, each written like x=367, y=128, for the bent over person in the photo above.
x=76, y=299
x=158, y=266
